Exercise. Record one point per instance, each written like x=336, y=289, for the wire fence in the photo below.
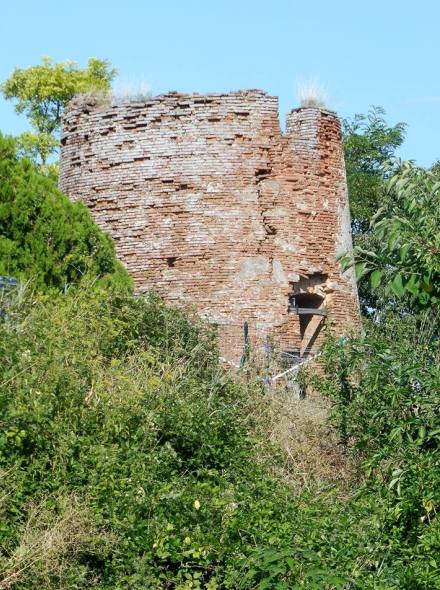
x=279, y=359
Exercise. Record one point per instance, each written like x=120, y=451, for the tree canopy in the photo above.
x=41, y=92
x=369, y=142
x=44, y=236
x=402, y=252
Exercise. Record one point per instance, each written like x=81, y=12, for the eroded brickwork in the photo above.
x=210, y=204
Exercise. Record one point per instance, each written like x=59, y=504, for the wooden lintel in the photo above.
x=307, y=311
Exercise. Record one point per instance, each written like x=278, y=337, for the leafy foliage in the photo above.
x=368, y=143
x=384, y=383
x=403, y=253
x=120, y=402
x=385, y=386
x=44, y=90
x=43, y=235
x=130, y=459
x=114, y=409
x=435, y=168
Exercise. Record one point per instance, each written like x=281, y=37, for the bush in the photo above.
x=120, y=402
x=43, y=235
x=120, y=429
x=385, y=388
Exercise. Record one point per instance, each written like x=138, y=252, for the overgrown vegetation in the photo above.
x=131, y=459
x=115, y=409
x=401, y=253
x=44, y=237
x=386, y=402
x=385, y=383
x=137, y=460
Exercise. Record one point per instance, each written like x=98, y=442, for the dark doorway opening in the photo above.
x=309, y=309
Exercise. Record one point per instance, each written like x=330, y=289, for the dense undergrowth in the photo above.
x=385, y=389
x=128, y=456
x=131, y=459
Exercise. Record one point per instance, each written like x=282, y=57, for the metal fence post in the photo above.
x=246, y=346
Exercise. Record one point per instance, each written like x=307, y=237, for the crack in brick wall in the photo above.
x=211, y=205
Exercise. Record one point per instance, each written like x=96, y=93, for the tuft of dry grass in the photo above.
x=313, y=457
x=55, y=531
x=311, y=93
x=131, y=91
x=93, y=98
x=308, y=450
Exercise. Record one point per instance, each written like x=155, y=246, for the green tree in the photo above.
x=386, y=408
x=435, y=168
x=368, y=143
x=41, y=92
x=402, y=253
x=43, y=235
x=384, y=383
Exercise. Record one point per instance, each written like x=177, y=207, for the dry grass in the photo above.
x=122, y=94
x=94, y=98
x=311, y=457
x=131, y=91
x=311, y=94
x=55, y=532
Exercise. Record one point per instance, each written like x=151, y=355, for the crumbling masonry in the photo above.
x=211, y=205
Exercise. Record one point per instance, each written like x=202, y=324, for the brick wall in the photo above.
x=211, y=205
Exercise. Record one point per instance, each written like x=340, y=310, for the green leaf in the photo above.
x=413, y=285
x=397, y=285
x=375, y=278
x=346, y=261
x=404, y=251
x=360, y=269
x=393, y=482
x=421, y=435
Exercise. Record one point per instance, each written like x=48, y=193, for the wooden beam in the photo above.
x=307, y=311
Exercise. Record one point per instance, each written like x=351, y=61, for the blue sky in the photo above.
x=371, y=52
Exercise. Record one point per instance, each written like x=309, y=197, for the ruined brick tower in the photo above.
x=211, y=205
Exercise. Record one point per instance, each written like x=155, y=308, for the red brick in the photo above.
x=211, y=205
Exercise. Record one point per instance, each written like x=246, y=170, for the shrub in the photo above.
x=385, y=388
x=121, y=401
x=44, y=236
x=115, y=408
